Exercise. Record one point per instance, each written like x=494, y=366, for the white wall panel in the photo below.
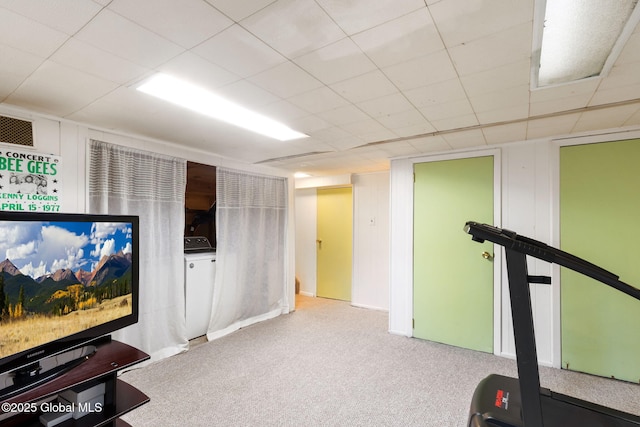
x=526, y=208
x=370, y=286
x=401, y=248
x=306, y=231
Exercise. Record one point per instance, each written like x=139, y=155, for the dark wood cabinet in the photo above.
x=103, y=366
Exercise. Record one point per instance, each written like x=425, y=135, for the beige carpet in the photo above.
x=330, y=364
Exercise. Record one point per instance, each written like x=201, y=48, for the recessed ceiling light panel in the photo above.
x=579, y=37
x=195, y=98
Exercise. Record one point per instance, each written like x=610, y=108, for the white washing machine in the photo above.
x=199, y=277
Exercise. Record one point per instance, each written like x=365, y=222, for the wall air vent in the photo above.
x=16, y=131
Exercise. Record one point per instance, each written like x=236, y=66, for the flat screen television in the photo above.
x=66, y=282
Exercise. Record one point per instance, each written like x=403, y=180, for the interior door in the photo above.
x=453, y=276
x=335, y=242
x=599, y=211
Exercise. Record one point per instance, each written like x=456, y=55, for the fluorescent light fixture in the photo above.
x=581, y=38
x=200, y=100
x=301, y=175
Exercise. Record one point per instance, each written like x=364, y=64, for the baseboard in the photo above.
x=401, y=333
x=370, y=307
x=307, y=294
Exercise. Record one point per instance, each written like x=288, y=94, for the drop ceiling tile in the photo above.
x=113, y=33
x=378, y=153
x=347, y=143
x=512, y=132
x=342, y=161
x=457, y=122
x=311, y=144
x=403, y=119
x=506, y=114
x=606, y=118
x=430, y=144
x=631, y=50
x=343, y=115
x=506, y=76
x=330, y=134
x=15, y=67
x=309, y=124
x=617, y=94
x=199, y=71
x=567, y=103
x=422, y=71
x=28, y=35
x=358, y=15
x=161, y=120
x=634, y=119
x=400, y=40
x=368, y=130
x=551, y=126
x=238, y=10
x=586, y=87
x=203, y=20
x=447, y=110
x=440, y=93
x=318, y=100
x=365, y=87
x=415, y=130
x=621, y=75
x=286, y=80
x=386, y=105
x=89, y=59
x=511, y=97
x=397, y=149
x=465, y=139
x=338, y=162
x=65, y=89
x=283, y=111
x=113, y=111
x=506, y=47
x=335, y=62
x=247, y=94
x=67, y=16
x=293, y=27
x=240, y=52
x=462, y=21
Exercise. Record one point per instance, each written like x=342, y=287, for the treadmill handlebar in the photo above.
x=510, y=240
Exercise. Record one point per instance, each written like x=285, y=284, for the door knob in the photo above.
x=319, y=242
x=486, y=255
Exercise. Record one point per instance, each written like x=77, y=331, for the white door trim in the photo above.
x=401, y=242
x=557, y=144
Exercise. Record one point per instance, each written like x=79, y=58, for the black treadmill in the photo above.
x=521, y=402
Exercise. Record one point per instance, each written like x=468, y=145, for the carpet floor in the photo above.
x=331, y=364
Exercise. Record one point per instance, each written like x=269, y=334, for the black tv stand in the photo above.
x=45, y=370
x=103, y=366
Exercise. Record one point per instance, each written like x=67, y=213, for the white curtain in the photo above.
x=127, y=181
x=251, y=212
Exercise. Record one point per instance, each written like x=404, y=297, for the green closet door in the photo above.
x=452, y=282
x=599, y=213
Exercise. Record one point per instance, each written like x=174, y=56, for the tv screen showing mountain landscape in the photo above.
x=60, y=278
